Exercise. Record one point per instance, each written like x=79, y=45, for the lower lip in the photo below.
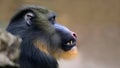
x=74, y=48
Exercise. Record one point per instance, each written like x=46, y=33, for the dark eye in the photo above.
x=52, y=19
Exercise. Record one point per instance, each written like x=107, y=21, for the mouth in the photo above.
x=68, y=45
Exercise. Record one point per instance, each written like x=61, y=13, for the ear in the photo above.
x=28, y=17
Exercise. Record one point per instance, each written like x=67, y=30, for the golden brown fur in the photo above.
x=9, y=48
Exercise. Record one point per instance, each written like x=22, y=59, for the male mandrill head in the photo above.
x=44, y=40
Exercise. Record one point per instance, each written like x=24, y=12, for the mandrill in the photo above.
x=9, y=50
x=44, y=41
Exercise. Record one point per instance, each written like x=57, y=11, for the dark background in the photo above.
x=96, y=22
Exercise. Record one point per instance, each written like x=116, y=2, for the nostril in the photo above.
x=74, y=34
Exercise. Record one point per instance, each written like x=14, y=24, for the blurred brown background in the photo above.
x=96, y=22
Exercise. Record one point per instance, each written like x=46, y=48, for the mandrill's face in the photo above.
x=48, y=36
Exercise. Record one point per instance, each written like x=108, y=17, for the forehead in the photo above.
x=45, y=11
x=37, y=10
